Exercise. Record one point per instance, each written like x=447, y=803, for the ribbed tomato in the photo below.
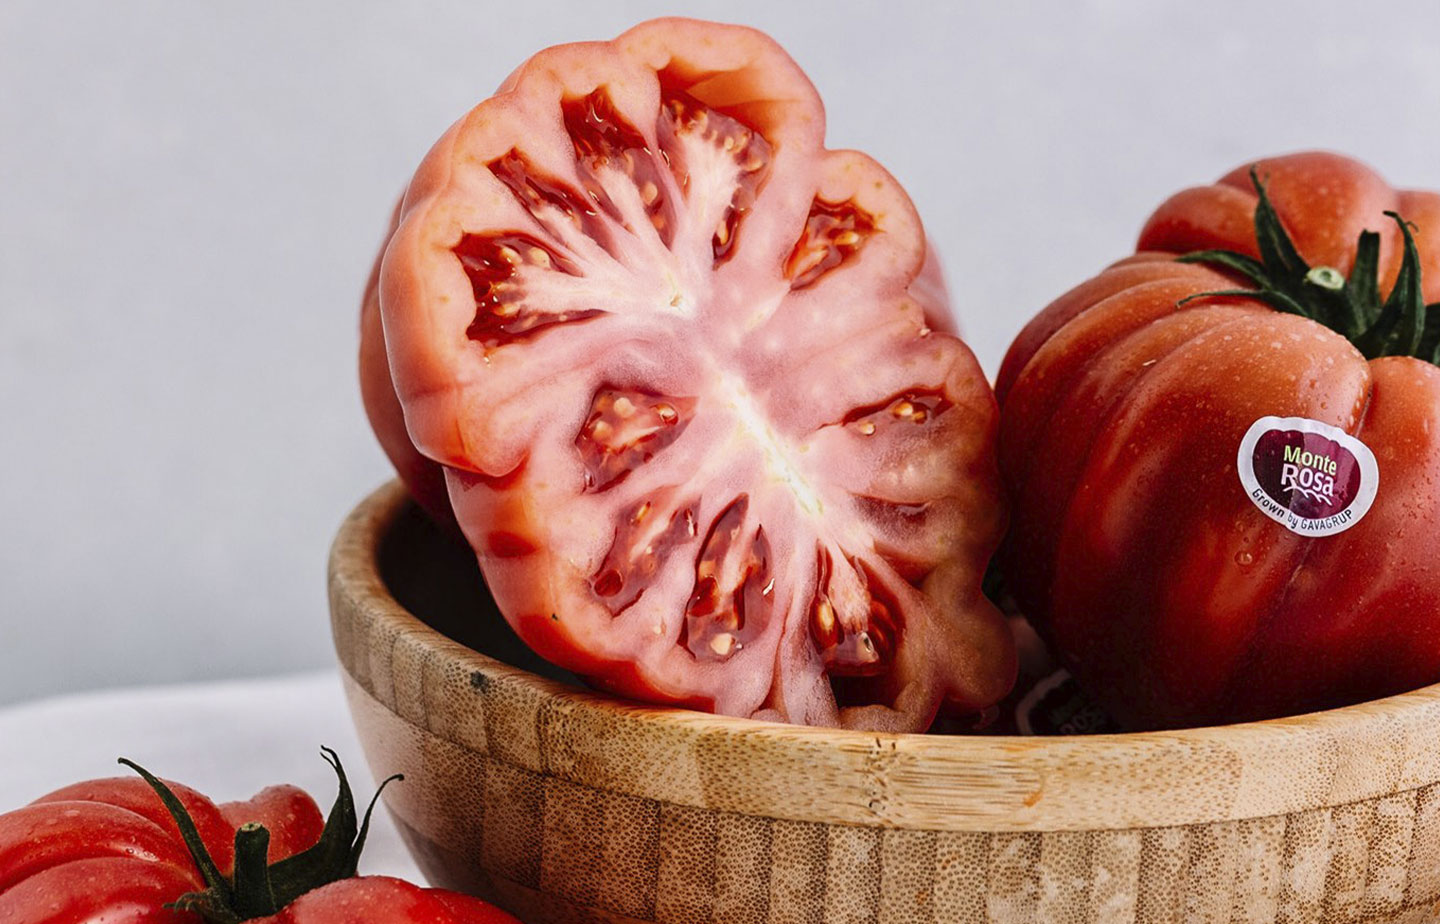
x=1225, y=505
x=108, y=850
x=139, y=850
x=385, y=900
x=695, y=389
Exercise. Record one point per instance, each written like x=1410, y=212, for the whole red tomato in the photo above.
x=1227, y=506
x=111, y=847
x=137, y=850
x=383, y=900
x=698, y=400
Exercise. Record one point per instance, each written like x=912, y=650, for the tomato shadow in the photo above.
x=437, y=579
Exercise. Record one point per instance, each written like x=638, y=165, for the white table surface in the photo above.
x=227, y=740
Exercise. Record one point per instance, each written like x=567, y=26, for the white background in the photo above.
x=190, y=194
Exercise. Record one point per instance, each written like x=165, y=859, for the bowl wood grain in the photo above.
x=564, y=805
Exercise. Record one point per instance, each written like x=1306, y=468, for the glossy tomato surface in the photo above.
x=1135, y=548
x=107, y=850
x=695, y=390
x=110, y=852
x=383, y=900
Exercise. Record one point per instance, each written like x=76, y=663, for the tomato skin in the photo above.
x=38, y=837
x=115, y=890
x=134, y=795
x=1133, y=545
x=1325, y=200
x=425, y=479
x=287, y=812
x=107, y=849
x=380, y=898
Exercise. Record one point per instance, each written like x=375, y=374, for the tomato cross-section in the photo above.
x=694, y=388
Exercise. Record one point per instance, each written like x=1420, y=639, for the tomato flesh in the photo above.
x=691, y=382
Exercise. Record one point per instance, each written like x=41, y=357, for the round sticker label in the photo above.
x=1310, y=477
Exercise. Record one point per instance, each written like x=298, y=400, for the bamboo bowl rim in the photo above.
x=935, y=782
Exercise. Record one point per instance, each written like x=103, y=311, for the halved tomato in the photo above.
x=424, y=477
x=695, y=389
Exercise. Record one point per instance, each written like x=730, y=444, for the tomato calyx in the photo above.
x=258, y=888
x=1401, y=325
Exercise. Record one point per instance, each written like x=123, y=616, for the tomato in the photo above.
x=110, y=847
x=376, y=899
x=696, y=391
x=144, y=850
x=1174, y=535
x=424, y=478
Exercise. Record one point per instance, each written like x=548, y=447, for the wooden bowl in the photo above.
x=565, y=805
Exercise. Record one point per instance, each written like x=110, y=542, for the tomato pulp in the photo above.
x=694, y=389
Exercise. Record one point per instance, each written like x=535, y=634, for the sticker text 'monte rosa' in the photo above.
x=1309, y=472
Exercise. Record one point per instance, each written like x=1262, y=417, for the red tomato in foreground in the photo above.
x=1160, y=578
x=108, y=850
x=698, y=399
x=112, y=852
x=383, y=900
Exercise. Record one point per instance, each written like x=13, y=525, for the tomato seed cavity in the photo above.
x=626, y=429
x=905, y=409
x=496, y=265
x=603, y=138
x=722, y=617
x=848, y=651
x=833, y=234
x=642, y=542
x=552, y=203
x=684, y=116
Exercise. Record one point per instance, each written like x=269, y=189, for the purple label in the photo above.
x=1313, y=478
x=1307, y=473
